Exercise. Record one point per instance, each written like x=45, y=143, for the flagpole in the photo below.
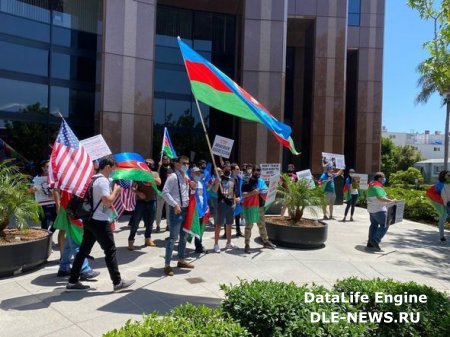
x=162, y=145
x=207, y=137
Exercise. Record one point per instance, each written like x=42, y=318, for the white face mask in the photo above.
x=184, y=168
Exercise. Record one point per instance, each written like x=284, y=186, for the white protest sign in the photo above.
x=269, y=170
x=42, y=193
x=95, y=147
x=363, y=180
x=400, y=210
x=337, y=161
x=222, y=146
x=272, y=190
x=306, y=175
x=395, y=212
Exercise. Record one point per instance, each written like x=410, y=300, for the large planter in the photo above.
x=24, y=256
x=296, y=236
x=275, y=208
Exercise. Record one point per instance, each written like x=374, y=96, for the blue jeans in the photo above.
x=70, y=250
x=378, y=226
x=176, y=228
x=441, y=223
x=144, y=210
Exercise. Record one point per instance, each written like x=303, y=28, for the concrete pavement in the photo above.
x=36, y=304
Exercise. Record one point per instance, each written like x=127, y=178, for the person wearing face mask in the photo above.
x=351, y=194
x=376, y=206
x=226, y=203
x=291, y=173
x=145, y=207
x=254, y=191
x=202, y=207
x=176, y=194
x=98, y=228
x=164, y=170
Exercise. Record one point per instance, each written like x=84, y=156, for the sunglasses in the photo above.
x=185, y=164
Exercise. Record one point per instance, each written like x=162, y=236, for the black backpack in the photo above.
x=83, y=208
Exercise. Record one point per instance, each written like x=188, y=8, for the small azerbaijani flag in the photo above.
x=347, y=189
x=167, y=147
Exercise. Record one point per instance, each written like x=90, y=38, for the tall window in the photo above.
x=354, y=13
x=48, y=66
x=213, y=36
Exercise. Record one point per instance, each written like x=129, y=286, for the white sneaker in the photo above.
x=217, y=248
x=230, y=245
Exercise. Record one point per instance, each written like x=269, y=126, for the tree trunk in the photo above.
x=446, y=132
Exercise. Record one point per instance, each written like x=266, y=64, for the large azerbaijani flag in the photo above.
x=167, y=147
x=213, y=87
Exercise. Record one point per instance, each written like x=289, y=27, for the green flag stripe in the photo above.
x=376, y=191
x=227, y=102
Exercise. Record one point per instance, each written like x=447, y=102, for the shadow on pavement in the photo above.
x=138, y=301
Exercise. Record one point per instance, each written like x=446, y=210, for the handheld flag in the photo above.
x=70, y=167
x=132, y=166
x=213, y=87
x=167, y=147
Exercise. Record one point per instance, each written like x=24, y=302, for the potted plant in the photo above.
x=295, y=231
x=21, y=247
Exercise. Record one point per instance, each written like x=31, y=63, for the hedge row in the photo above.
x=275, y=309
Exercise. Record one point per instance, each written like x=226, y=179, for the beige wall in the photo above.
x=127, y=75
x=263, y=74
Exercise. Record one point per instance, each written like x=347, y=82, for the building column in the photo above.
x=370, y=72
x=328, y=112
x=263, y=75
x=127, y=75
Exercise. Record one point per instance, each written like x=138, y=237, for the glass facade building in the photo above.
x=48, y=65
x=113, y=67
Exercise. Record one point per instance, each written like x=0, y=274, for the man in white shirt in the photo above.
x=99, y=229
x=176, y=194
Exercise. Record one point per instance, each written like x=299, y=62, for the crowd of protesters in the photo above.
x=228, y=195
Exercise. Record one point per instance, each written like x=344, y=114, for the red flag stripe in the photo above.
x=201, y=73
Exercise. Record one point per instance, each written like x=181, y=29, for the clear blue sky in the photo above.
x=404, y=36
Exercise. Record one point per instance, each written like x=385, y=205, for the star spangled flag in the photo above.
x=167, y=147
x=70, y=168
x=213, y=87
x=126, y=200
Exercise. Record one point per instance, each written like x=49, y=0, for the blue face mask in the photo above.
x=196, y=178
x=383, y=181
x=184, y=168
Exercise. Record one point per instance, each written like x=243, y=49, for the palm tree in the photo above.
x=298, y=195
x=15, y=198
x=435, y=70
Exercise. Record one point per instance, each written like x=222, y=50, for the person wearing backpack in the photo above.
x=98, y=228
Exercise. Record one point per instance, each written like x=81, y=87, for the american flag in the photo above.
x=70, y=167
x=126, y=200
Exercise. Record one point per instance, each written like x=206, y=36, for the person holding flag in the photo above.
x=439, y=195
x=327, y=182
x=376, y=206
x=176, y=194
x=145, y=207
x=254, y=193
x=164, y=170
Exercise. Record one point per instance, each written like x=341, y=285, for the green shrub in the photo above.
x=434, y=314
x=275, y=309
x=410, y=177
x=186, y=320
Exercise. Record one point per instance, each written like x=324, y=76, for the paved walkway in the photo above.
x=35, y=304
